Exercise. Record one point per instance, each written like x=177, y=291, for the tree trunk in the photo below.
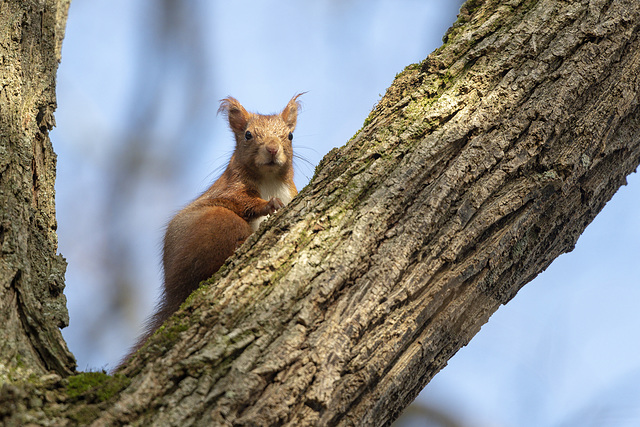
x=31, y=273
x=477, y=168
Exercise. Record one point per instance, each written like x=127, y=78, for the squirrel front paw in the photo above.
x=273, y=205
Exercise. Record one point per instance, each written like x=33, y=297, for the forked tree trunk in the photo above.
x=477, y=168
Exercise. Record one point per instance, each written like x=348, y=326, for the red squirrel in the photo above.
x=257, y=182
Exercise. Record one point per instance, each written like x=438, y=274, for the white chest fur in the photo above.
x=269, y=189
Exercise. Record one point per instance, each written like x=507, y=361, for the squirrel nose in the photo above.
x=273, y=149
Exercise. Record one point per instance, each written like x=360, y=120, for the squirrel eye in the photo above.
x=290, y=136
x=247, y=135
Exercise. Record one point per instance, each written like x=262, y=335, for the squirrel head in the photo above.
x=263, y=142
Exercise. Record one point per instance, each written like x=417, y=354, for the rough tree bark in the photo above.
x=477, y=168
x=33, y=307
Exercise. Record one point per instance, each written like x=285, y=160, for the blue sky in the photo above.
x=565, y=348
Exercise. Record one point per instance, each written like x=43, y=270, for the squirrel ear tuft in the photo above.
x=290, y=112
x=235, y=112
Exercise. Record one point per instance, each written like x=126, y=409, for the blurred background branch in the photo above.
x=165, y=108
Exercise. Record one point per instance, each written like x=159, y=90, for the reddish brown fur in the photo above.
x=206, y=232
